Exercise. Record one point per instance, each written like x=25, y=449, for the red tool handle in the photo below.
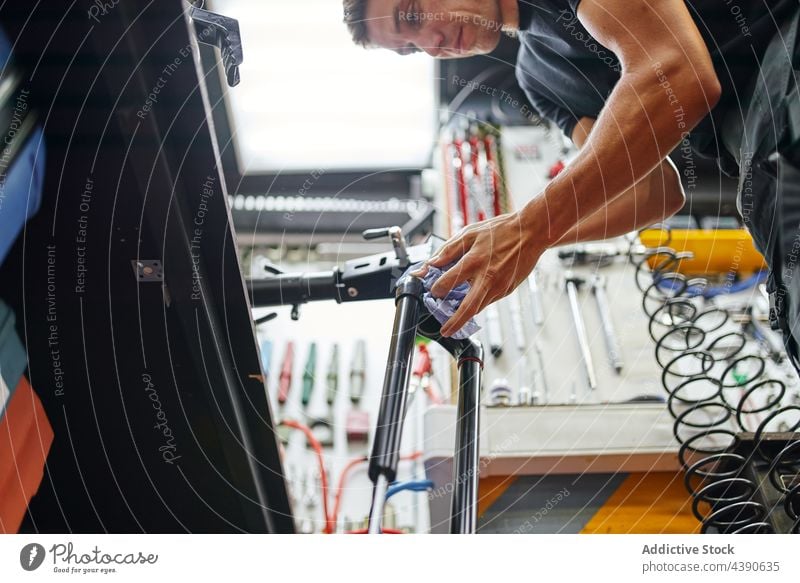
x=423, y=361
x=491, y=158
x=286, y=373
x=463, y=199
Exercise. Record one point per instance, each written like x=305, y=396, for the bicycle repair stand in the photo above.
x=412, y=318
x=373, y=277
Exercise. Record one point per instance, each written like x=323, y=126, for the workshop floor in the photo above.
x=635, y=503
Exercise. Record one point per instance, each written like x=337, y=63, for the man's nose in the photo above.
x=431, y=42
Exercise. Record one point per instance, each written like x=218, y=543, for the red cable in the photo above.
x=317, y=447
x=343, y=477
x=340, y=486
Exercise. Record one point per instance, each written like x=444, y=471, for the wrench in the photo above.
x=614, y=352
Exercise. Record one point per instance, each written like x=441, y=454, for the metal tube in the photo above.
x=614, y=352
x=464, y=505
x=377, y=506
x=386, y=447
x=580, y=331
x=536, y=299
x=542, y=372
x=293, y=288
x=516, y=323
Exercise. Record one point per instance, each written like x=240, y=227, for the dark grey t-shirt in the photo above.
x=568, y=75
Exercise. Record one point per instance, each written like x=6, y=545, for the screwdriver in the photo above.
x=495, y=330
x=612, y=345
x=309, y=374
x=536, y=299
x=333, y=375
x=515, y=308
x=357, y=424
x=286, y=373
x=493, y=160
x=357, y=372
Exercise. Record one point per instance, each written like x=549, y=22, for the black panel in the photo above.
x=163, y=423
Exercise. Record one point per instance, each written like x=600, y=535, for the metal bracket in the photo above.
x=148, y=270
x=221, y=32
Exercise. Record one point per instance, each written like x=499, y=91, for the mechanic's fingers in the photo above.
x=459, y=273
x=452, y=251
x=421, y=272
x=472, y=304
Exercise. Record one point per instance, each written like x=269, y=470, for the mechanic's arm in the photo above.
x=657, y=43
x=657, y=196
x=668, y=85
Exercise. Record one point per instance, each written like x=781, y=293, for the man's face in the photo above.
x=441, y=28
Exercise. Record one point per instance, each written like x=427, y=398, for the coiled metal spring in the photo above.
x=717, y=386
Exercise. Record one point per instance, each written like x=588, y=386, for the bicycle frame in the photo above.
x=411, y=319
x=371, y=278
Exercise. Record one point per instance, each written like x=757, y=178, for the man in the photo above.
x=627, y=81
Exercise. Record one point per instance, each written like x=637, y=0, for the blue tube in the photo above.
x=412, y=485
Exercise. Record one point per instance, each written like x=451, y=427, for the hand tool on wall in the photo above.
x=468, y=176
x=493, y=164
x=332, y=378
x=536, y=299
x=545, y=395
x=495, y=330
x=515, y=307
x=460, y=212
x=593, y=255
x=323, y=427
x=421, y=376
x=482, y=205
x=572, y=284
x=309, y=374
x=358, y=367
x=528, y=391
x=357, y=424
x=285, y=382
x=612, y=344
x=484, y=176
x=452, y=165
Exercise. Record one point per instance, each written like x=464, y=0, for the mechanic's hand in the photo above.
x=494, y=256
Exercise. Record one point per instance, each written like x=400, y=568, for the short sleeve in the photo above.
x=560, y=115
x=573, y=4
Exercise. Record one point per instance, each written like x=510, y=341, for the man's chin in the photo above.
x=486, y=46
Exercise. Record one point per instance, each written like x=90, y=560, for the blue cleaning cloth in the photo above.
x=443, y=308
